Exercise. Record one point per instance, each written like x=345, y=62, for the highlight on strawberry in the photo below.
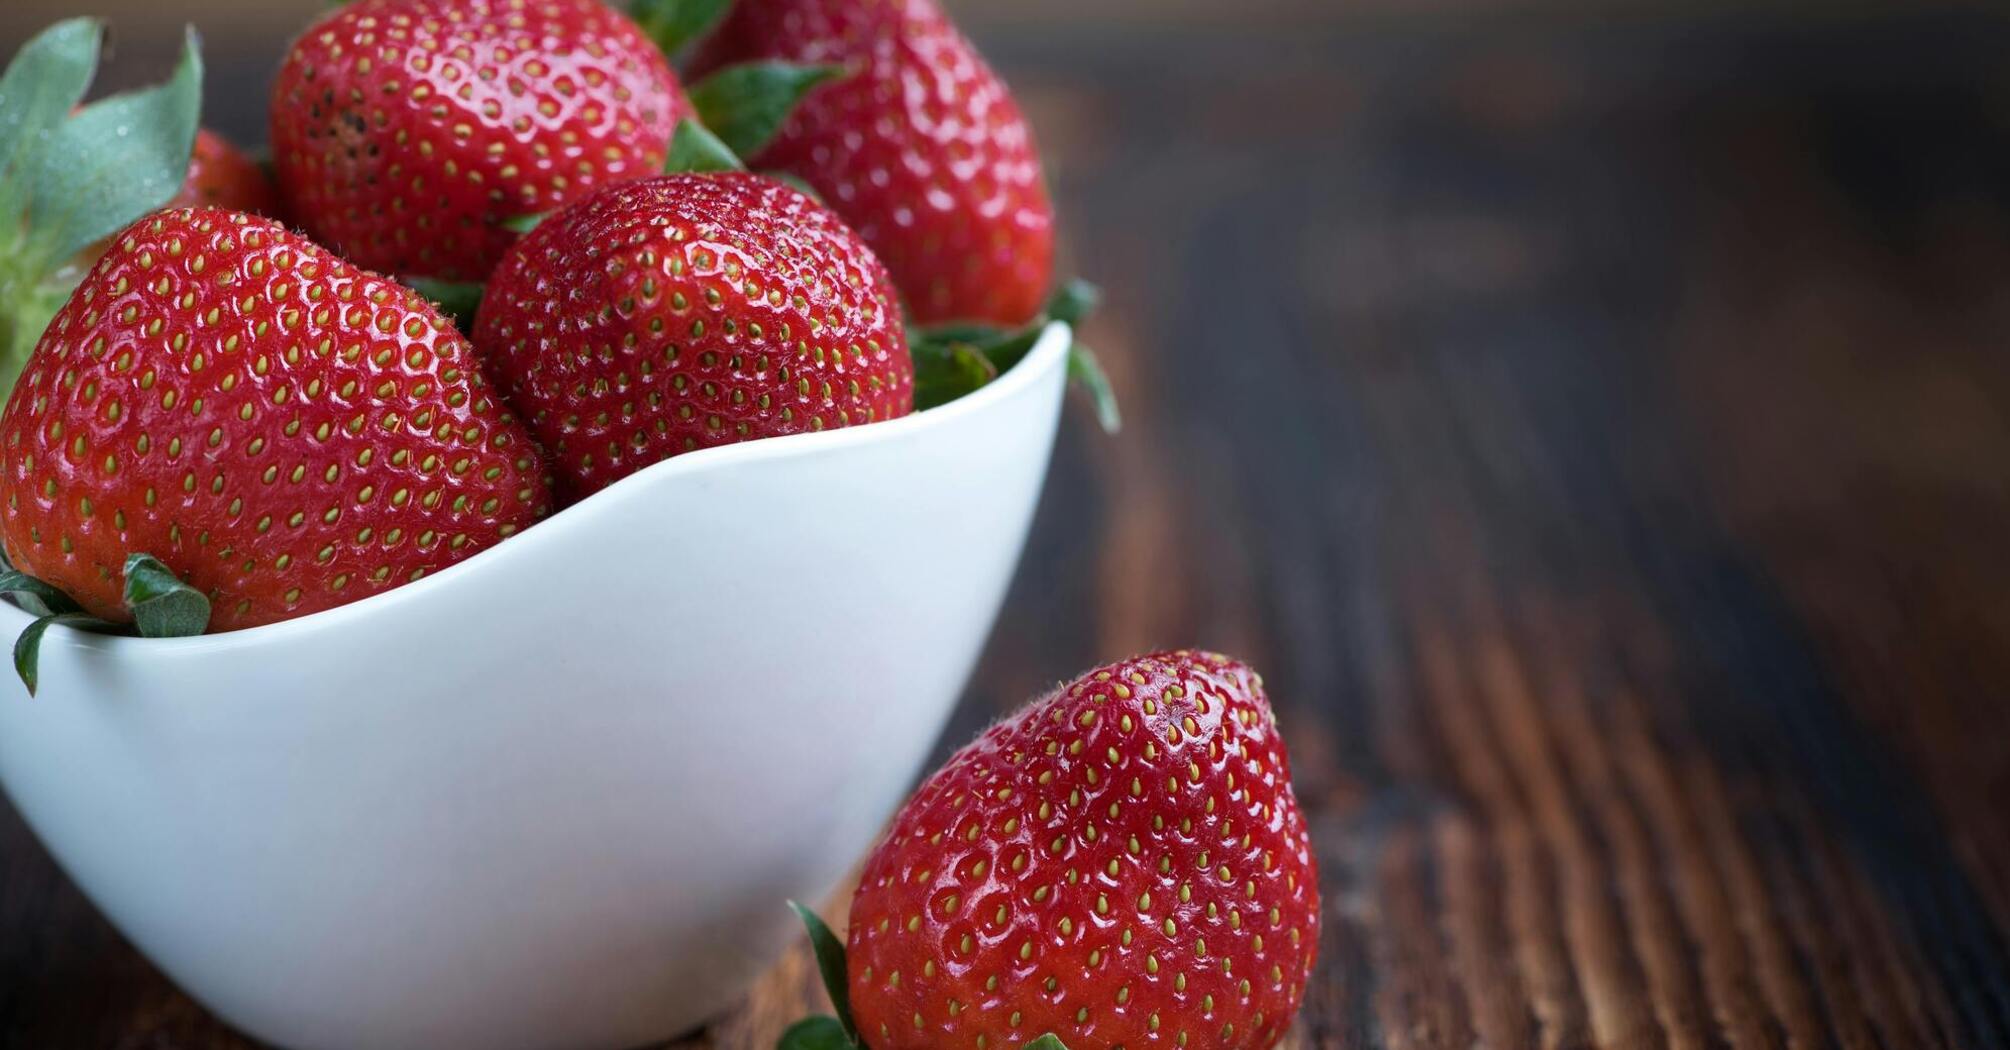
x=1121, y=864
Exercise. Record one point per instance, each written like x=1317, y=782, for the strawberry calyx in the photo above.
x=951, y=360
x=746, y=105
x=457, y=299
x=162, y=606
x=72, y=176
x=695, y=149
x=677, y=24
x=840, y=1032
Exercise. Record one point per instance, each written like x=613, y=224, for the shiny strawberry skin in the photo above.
x=923, y=150
x=1123, y=863
x=221, y=176
x=682, y=312
x=285, y=431
x=405, y=131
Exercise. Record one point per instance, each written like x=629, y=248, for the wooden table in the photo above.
x=1598, y=433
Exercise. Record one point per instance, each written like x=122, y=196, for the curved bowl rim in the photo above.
x=1048, y=352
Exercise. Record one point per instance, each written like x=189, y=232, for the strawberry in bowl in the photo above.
x=506, y=663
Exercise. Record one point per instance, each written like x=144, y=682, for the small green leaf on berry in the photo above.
x=28, y=647
x=831, y=965
x=944, y=372
x=1074, y=300
x=114, y=161
x=162, y=605
x=35, y=596
x=1050, y=1041
x=695, y=149
x=457, y=299
x=523, y=223
x=1087, y=372
x=674, y=24
x=747, y=104
x=42, y=84
x=821, y=1032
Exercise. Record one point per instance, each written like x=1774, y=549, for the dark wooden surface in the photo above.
x=1598, y=431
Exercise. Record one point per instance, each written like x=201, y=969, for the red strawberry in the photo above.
x=221, y=176
x=685, y=311
x=1122, y=864
x=406, y=131
x=284, y=431
x=922, y=150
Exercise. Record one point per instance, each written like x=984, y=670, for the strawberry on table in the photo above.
x=685, y=311
x=921, y=148
x=1121, y=864
x=406, y=133
x=285, y=432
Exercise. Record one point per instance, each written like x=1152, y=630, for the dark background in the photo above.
x=1593, y=419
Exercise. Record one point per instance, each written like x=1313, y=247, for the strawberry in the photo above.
x=221, y=176
x=1121, y=864
x=282, y=430
x=922, y=149
x=406, y=132
x=685, y=311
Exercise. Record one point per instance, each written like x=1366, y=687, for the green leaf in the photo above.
x=524, y=223
x=745, y=105
x=162, y=605
x=42, y=84
x=821, y=1032
x=944, y=372
x=35, y=596
x=28, y=647
x=1073, y=301
x=1087, y=372
x=831, y=964
x=1050, y=1041
x=674, y=24
x=457, y=299
x=24, y=313
x=1004, y=348
x=114, y=161
x=694, y=149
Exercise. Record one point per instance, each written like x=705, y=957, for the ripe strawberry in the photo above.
x=1122, y=864
x=922, y=150
x=221, y=176
x=284, y=431
x=406, y=131
x=685, y=311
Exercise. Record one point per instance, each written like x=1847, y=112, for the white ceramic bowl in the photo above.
x=557, y=795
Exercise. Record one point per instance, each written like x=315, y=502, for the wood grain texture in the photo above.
x=1595, y=429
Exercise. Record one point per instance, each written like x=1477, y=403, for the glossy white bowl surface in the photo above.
x=556, y=795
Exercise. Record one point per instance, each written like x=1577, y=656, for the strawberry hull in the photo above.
x=503, y=784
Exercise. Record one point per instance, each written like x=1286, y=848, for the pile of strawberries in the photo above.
x=261, y=390
x=502, y=257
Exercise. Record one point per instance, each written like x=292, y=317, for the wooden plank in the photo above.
x=1594, y=430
